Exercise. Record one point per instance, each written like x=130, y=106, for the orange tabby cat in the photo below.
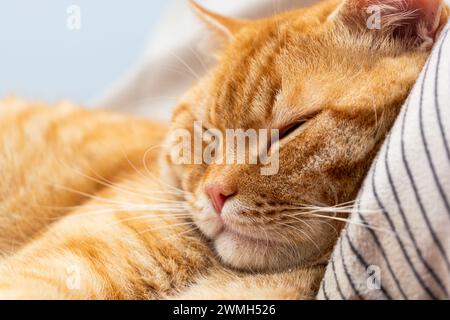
x=93, y=205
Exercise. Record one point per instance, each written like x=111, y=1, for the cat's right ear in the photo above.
x=417, y=22
x=223, y=28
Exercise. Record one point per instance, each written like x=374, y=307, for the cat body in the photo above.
x=93, y=205
x=83, y=221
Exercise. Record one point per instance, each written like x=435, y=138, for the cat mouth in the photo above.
x=247, y=238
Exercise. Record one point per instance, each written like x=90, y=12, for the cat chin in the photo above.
x=246, y=253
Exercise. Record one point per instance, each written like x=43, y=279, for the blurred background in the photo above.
x=136, y=56
x=42, y=58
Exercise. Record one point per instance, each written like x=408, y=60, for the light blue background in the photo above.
x=40, y=58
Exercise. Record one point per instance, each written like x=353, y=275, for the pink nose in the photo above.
x=219, y=195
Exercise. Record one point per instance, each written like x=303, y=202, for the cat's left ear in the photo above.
x=224, y=28
x=415, y=21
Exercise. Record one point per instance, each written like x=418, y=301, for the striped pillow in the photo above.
x=397, y=245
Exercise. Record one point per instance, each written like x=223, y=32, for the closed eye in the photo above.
x=288, y=130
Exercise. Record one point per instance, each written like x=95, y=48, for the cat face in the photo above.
x=333, y=88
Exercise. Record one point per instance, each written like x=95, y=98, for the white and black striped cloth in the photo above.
x=404, y=252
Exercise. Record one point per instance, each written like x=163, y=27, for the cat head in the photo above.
x=331, y=78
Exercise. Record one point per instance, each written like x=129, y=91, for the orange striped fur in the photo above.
x=78, y=223
x=92, y=206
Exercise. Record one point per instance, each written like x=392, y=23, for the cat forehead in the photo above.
x=265, y=92
x=257, y=90
x=273, y=84
x=302, y=94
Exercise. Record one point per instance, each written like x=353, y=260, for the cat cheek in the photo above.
x=206, y=219
x=211, y=227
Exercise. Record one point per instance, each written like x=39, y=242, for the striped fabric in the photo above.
x=397, y=245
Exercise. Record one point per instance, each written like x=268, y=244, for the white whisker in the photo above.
x=165, y=227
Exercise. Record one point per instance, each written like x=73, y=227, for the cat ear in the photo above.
x=223, y=27
x=415, y=21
